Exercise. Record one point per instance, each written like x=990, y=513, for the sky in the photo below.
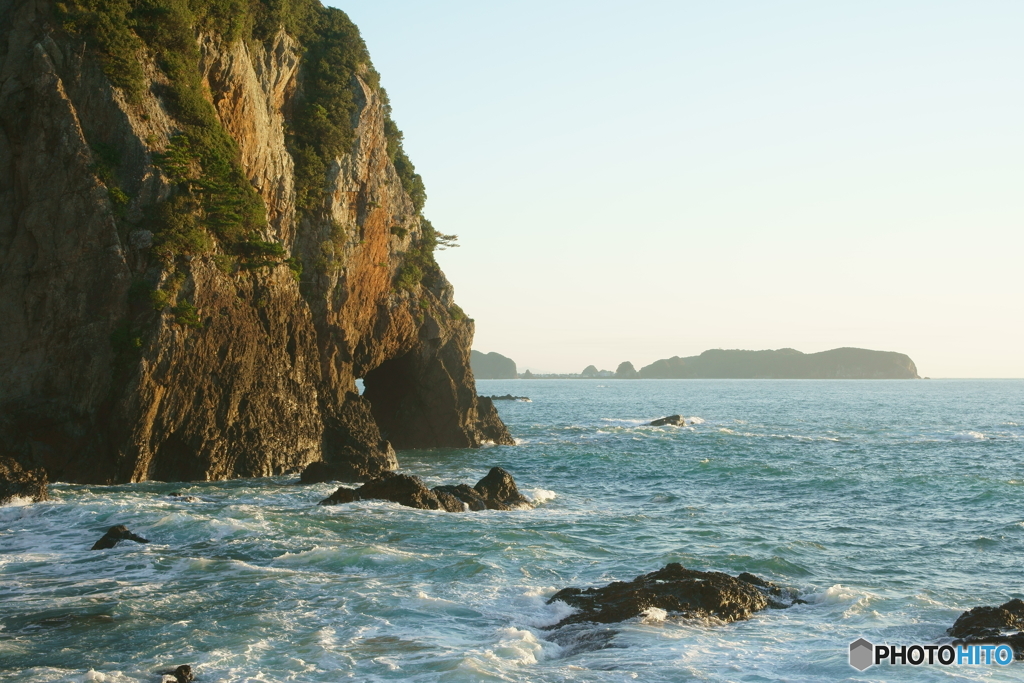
x=635, y=181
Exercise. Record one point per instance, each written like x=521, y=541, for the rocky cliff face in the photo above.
x=121, y=362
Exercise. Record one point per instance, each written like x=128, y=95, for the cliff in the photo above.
x=208, y=232
x=844, y=363
x=492, y=366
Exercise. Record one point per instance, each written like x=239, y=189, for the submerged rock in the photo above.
x=677, y=420
x=17, y=481
x=496, y=491
x=993, y=626
x=115, y=535
x=677, y=590
x=509, y=397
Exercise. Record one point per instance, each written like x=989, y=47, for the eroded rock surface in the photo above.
x=677, y=590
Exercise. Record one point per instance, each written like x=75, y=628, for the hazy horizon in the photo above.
x=644, y=182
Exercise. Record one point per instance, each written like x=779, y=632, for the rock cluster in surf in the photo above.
x=496, y=491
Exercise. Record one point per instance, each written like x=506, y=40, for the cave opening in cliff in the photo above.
x=390, y=389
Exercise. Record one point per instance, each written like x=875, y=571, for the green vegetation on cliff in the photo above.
x=202, y=159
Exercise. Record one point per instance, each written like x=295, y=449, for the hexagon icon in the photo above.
x=861, y=654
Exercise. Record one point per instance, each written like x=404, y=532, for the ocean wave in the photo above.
x=520, y=646
x=539, y=496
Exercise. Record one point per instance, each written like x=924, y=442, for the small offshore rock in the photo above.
x=499, y=491
x=677, y=420
x=115, y=535
x=182, y=497
x=992, y=626
x=182, y=674
x=509, y=397
x=677, y=590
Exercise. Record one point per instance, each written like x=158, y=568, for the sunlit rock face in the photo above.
x=117, y=365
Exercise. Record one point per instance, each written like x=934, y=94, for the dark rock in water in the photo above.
x=677, y=420
x=499, y=491
x=182, y=674
x=509, y=397
x=115, y=535
x=992, y=626
x=577, y=638
x=404, y=489
x=449, y=503
x=342, y=495
x=17, y=481
x=464, y=494
x=490, y=424
x=676, y=590
x=496, y=491
x=317, y=473
x=181, y=497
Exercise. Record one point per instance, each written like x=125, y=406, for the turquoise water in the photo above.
x=890, y=506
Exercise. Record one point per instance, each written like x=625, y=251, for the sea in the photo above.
x=889, y=506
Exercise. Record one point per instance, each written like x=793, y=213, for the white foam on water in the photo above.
x=695, y=420
x=968, y=436
x=18, y=501
x=653, y=615
x=522, y=647
x=539, y=496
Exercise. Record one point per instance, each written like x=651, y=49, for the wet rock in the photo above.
x=509, y=397
x=677, y=590
x=317, y=473
x=17, y=481
x=496, y=491
x=404, y=489
x=342, y=495
x=115, y=535
x=676, y=420
x=181, y=497
x=465, y=494
x=449, y=503
x=181, y=674
x=992, y=626
x=499, y=491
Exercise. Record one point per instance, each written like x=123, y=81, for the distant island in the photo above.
x=492, y=366
x=843, y=363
